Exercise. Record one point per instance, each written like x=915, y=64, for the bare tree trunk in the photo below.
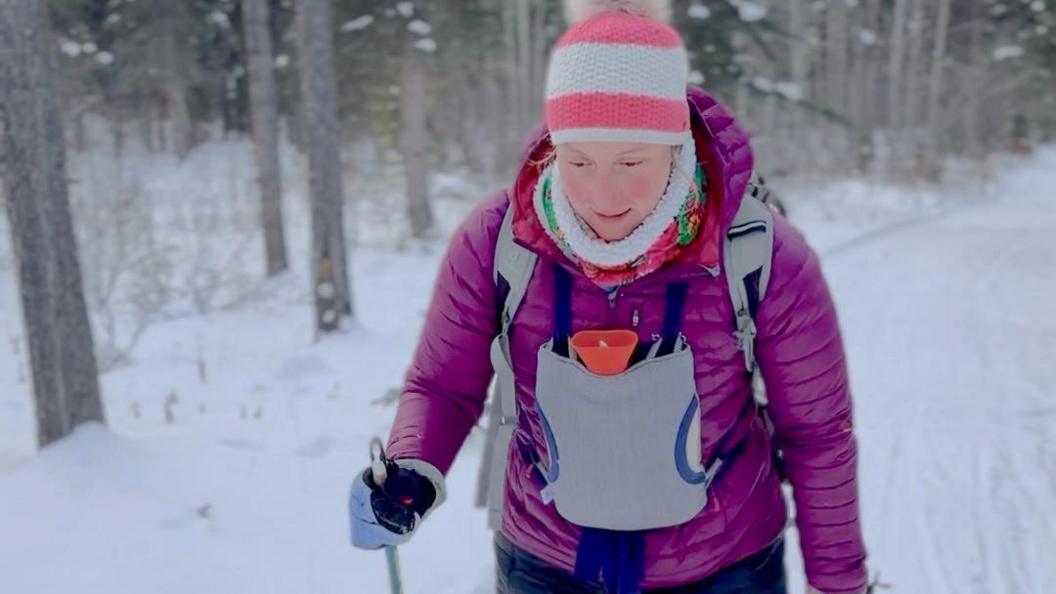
x=175, y=86
x=331, y=283
x=496, y=116
x=179, y=118
x=798, y=20
x=414, y=141
x=741, y=100
x=509, y=26
x=231, y=111
x=79, y=134
x=539, y=61
x=295, y=126
x=514, y=78
x=524, y=64
x=897, y=58
x=470, y=100
x=264, y=114
x=146, y=132
x=971, y=110
x=836, y=55
x=856, y=21
x=834, y=81
x=117, y=131
x=159, y=123
x=914, y=72
x=33, y=167
x=491, y=433
x=938, y=56
x=866, y=95
x=444, y=118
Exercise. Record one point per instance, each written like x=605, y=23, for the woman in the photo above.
x=624, y=201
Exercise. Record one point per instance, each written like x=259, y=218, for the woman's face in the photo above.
x=613, y=186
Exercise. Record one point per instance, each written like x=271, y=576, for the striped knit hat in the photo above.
x=618, y=74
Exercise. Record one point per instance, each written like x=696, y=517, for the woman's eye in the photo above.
x=631, y=163
x=577, y=164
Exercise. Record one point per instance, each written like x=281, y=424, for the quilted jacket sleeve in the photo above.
x=800, y=352
x=446, y=385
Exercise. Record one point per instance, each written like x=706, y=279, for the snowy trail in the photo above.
x=949, y=331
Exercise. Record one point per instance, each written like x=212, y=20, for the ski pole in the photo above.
x=394, y=570
x=380, y=472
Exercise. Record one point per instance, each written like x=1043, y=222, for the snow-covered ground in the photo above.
x=942, y=295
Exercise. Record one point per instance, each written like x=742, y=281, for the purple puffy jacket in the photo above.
x=799, y=350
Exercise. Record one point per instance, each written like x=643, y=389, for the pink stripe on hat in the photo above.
x=617, y=110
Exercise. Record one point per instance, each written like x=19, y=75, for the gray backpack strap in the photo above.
x=515, y=265
x=747, y=256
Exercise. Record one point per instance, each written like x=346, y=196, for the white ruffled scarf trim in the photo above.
x=586, y=245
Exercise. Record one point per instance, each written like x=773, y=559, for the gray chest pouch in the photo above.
x=623, y=452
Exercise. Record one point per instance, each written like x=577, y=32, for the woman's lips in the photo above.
x=612, y=217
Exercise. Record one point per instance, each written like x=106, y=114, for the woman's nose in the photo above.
x=606, y=198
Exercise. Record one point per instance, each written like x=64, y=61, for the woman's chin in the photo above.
x=611, y=233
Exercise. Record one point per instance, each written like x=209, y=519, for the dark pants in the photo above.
x=517, y=572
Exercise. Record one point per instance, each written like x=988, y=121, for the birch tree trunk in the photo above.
x=33, y=170
x=330, y=280
x=264, y=114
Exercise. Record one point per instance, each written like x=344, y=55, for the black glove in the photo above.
x=404, y=497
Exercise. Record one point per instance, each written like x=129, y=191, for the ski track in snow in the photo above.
x=949, y=335
x=967, y=502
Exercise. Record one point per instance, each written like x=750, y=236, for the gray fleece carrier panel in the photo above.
x=623, y=452
x=617, y=445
